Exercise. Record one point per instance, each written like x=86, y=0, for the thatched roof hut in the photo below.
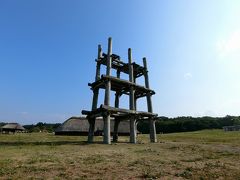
x=80, y=126
x=12, y=127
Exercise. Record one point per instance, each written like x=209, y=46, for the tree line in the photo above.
x=163, y=124
x=39, y=127
x=42, y=127
x=184, y=124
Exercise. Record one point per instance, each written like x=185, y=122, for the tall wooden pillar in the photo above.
x=135, y=99
x=135, y=107
x=153, y=137
x=133, y=138
x=95, y=99
x=116, y=121
x=106, y=118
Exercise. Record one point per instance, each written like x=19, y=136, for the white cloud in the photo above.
x=229, y=45
x=187, y=76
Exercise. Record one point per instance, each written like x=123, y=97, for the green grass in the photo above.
x=205, y=136
x=211, y=154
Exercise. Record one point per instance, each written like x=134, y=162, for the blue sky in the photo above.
x=48, y=48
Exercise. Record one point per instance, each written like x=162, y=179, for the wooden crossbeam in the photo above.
x=118, y=64
x=116, y=112
x=121, y=85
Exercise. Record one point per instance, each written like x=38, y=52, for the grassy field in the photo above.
x=211, y=154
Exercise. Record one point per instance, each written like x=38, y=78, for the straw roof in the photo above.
x=13, y=126
x=81, y=125
x=74, y=124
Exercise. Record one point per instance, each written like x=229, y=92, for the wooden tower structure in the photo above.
x=120, y=86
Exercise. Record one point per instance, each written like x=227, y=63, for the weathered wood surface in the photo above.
x=120, y=86
x=133, y=130
x=153, y=137
x=119, y=64
x=106, y=117
x=115, y=111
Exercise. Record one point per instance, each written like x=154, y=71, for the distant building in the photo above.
x=80, y=126
x=12, y=128
x=231, y=128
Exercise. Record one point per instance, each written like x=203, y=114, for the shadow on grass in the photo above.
x=47, y=143
x=53, y=143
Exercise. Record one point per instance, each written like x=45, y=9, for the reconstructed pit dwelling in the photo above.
x=120, y=87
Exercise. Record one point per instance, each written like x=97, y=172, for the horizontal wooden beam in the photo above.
x=121, y=85
x=117, y=112
x=118, y=64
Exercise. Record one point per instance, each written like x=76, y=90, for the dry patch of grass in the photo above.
x=197, y=155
